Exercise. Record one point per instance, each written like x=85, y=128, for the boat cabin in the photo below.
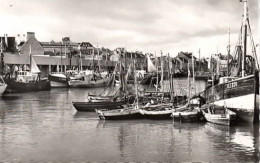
x=26, y=76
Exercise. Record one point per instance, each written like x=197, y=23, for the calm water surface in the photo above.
x=44, y=126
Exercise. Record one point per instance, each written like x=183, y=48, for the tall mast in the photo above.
x=199, y=61
x=259, y=24
x=193, y=74
x=80, y=60
x=228, y=49
x=61, y=66
x=136, y=86
x=2, y=65
x=245, y=37
x=98, y=59
x=189, y=83
x=162, y=76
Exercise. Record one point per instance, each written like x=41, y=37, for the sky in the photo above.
x=150, y=26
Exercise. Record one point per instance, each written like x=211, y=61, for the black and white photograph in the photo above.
x=129, y=80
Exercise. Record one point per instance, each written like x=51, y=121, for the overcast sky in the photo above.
x=143, y=25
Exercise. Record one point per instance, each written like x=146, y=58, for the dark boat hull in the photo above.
x=240, y=96
x=158, y=116
x=92, y=106
x=14, y=86
x=187, y=118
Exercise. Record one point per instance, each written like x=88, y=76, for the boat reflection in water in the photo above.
x=241, y=142
x=145, y=140
x=45, y=127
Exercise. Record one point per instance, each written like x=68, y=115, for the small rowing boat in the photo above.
x=218, y=114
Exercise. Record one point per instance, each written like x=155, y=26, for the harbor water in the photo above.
x=44, y=127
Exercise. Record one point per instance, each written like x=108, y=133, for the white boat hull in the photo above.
x=2, y=88
x=55, y=84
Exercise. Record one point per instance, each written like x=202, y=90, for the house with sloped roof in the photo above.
x=31, y=46
x=128, y=57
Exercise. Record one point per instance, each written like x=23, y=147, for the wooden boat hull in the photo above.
x=186, y=117
x=157, y=115
x=120, y=114
x=15, y=86
x=90, y=84
x=58, y=81
x=218, y=114
x=2, y=88
x=92, y=106
x=157, y=112
x=240, y=96
x=217, y=120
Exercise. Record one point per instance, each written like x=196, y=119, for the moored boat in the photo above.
x=218, y=114
x=190, y=112
x=27, y=81
x=160, y=111
x=120, y=114
x=239, y=90
x=58, y=80
x=91, y=80
x=190, y=115
x=91, y=106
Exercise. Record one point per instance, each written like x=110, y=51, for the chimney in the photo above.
x=30, y=35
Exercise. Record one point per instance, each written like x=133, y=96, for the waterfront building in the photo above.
x=47, y=55
x=127, y=57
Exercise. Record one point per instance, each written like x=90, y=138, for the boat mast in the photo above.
x=228, y=49
x=188, y=83
x=157, y=74
x=2, y=58
x=199, y=61
x=162, y=76
x=259, y=25
x=61, y=65
x=136, y=86
x=245, y=37
x=193, y=74
x=80, y=59
x=98, y=59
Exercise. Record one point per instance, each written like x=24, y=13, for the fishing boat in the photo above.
x=27, y=81
x=58, y=80
x=91, y=80
x=109, y=102
x=189, y=115
x=190, y=112
x=128, y=112
x=2, y=85
x=218, y=114
x=239, y=90
x=104, y=102
x=159, y=111
x=92, y=106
